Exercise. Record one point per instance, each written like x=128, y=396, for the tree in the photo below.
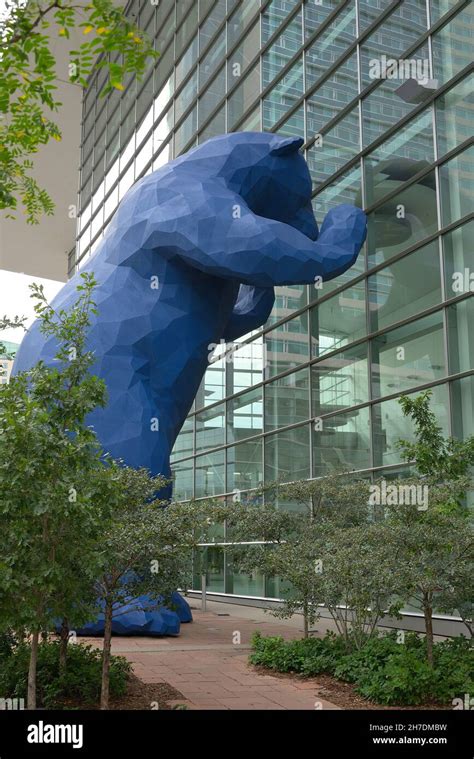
x=296, y=541
x=52, y=499
x=436, y=547
x=28, y=80
x=441, y=458
x=437, y=542
x=146, y=550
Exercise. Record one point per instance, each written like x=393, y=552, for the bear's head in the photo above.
x=268, y=172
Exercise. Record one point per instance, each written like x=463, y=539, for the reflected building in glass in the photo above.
x=315, y=390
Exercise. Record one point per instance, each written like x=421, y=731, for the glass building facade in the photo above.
x=315, y=389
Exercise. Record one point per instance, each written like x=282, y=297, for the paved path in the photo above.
x=207, y=663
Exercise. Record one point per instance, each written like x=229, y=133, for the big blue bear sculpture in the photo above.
x=191, y=257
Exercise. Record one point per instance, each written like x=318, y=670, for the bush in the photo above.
x=80, y=683
x=382, y=670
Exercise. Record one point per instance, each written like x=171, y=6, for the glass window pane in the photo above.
x=244, y=466
x=340, y=380
x=247, y=366
x=383, y=107
x=212, y=387
x=346, y=189
x=245, y=415
x=333, y=149
x=399, y=158
x=186, y=132
x=210, y=427
x=186, y=96
x=338, y=321
x=461, y=336
x=462, y=394
x=282, y=50
x=182, y=480
x=287, y=345
x=330, y=45
x=215, y=127
x=240, y=20
x=283, y=96
x=212, y=60
x=210, y=474
x=244, y=96
x=287, y=455
x=212, y=96
x=369, y=11
x=332, y=95
x=274, y=15
x=185, y=440
x=453, y=45
x=455, y=115
x=458, y=247
x=389, y=425
x=405, y=288
x=315, y=12
x=457, y=186
x=408, y=356
x=287, y=400
x=341, y=442
x=395, y=35
x=403, y=220
x=243, y=55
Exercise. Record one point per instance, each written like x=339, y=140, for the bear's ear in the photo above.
x=285, y=145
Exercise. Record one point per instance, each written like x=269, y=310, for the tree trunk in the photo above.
x=64, y=640
x=428, y=614
x=31, y=695
x=104, y=694
x=305, y=620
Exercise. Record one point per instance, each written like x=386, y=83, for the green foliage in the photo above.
x=53, y=497
x=30, y=33
x=80, y=682
x=434, y=455
x=382, y=670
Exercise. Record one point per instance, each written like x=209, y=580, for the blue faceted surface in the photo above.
x=191, y=258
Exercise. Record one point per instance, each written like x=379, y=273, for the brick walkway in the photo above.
x=210, y=669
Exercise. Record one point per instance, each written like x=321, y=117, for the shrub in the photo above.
x=382, y=670
x=79, y=683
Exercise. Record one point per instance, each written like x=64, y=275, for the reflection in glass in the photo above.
x=389, y=425
x=210, y=427
x=339, y=381
x=342, y=443
x=458, y=247
x=210, y=474
x=404, y=219
x=244, y=466
x=454, y=115
x=182, y=480
x=402, y=156
x=244, y=415
x=461, y=336
x=338, y=321
x=406, y=287
x=287, y=455
x=457, y=186
x=287, y=400
x=287, y=346
x=408, y=356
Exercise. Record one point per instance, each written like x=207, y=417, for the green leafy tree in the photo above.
x=438, y=541
x=145, y=550
x=28, y=80
x=52, y=499
x=441, y=458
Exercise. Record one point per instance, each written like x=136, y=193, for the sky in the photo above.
x=15, y=299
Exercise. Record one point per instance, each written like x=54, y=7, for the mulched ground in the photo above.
x=342, y=694
x=147, y=696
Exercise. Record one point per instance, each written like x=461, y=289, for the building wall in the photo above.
x=315, y=389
